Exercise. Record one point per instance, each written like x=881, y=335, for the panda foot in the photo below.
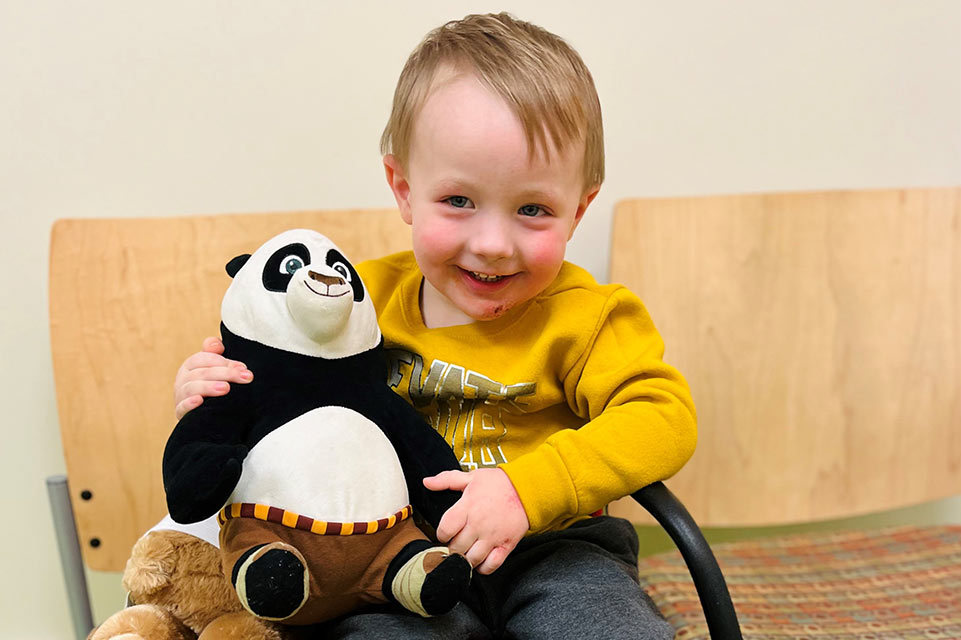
x=272, y=581
x=432, y=581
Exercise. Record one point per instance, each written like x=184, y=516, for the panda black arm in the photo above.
x=204, y=456
x=422, y=452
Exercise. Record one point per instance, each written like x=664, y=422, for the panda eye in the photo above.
x=290, y=264
x=342, y=269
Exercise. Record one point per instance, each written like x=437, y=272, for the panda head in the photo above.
x=299, y=293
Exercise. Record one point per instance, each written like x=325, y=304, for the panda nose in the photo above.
x=327, y=280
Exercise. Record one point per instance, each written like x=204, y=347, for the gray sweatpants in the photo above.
x=577, y=583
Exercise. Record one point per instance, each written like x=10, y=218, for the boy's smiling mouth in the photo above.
x=483, y=277
x=486, y=280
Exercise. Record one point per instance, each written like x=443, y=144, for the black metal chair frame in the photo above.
x=708, y=580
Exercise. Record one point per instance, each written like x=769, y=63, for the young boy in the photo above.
x=549, y=387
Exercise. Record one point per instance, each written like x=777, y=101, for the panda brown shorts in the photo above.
x=346, y=571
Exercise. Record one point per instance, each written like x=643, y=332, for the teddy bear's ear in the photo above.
x=151, y=564
x=235, y=264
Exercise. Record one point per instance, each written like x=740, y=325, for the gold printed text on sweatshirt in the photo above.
x=466, y=407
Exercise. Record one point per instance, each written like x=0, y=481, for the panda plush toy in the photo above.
x=314, y=466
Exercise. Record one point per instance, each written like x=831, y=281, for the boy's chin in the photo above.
x=451, y=307
x=491, y=312
x=460, y=316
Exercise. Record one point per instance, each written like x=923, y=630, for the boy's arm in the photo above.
x=641, y=423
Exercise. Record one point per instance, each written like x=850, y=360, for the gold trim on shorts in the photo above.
x=295, y=521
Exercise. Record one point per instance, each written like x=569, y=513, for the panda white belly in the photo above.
x=329, y=464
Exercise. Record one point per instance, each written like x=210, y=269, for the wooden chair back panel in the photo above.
x=821, y=336
x=129, y=300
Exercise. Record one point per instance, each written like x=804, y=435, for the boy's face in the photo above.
x=489, y=224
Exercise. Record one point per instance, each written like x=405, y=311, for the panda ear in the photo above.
x=234, y=265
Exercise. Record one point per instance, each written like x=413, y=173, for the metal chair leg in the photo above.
x=71, y=560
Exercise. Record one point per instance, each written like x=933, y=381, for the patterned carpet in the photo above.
x=900, y=583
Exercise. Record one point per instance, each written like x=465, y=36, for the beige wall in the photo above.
x=114, y=108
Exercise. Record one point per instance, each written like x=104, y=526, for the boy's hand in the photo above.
x=487, y=522
x=206, y=374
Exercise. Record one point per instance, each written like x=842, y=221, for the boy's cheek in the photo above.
x=434, y=237
x=548, y=249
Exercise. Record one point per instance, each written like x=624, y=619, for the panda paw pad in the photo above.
x=272, y=581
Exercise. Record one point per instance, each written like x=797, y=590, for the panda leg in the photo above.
x=427, y=579
x=271, y=580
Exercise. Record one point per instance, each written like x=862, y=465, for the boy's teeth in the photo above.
x=485, y=278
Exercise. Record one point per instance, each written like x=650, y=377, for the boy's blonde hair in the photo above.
x=541, y=78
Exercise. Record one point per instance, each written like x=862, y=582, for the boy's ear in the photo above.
x=397, y=180
x=585, y=202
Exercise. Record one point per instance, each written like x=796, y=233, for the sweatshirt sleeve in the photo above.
x=640, y=422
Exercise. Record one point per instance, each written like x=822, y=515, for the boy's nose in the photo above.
x=491, y=238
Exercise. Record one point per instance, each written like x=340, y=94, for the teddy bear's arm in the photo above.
x=422, y=452
x=203, y=460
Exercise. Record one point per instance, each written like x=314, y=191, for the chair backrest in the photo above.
x=821, y=336
x=129, y=300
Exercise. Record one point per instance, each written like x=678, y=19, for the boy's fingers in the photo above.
x=467, y=545
x=213, y=345
x=477, y=553
x=204, y=388
x=203, y=359
x=493, y=561
x=454, y=480
x=480, y=553
x=451, y=524
x=187, y=405
x=229, y=373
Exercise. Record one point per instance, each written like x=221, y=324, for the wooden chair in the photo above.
x=821, y=336
x=129, y=300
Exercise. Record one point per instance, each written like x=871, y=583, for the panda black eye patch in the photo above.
x=337, y=260
x=282, y=263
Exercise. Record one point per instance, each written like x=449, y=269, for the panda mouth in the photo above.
x=325, y=295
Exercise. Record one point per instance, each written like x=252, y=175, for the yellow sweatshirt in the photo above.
x=566, y=393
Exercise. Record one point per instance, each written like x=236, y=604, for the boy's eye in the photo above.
x=459, y=202
x=531, y=210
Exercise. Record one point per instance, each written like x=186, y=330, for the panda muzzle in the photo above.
x=327, y=280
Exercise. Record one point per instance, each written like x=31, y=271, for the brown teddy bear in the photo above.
x=178, y=592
